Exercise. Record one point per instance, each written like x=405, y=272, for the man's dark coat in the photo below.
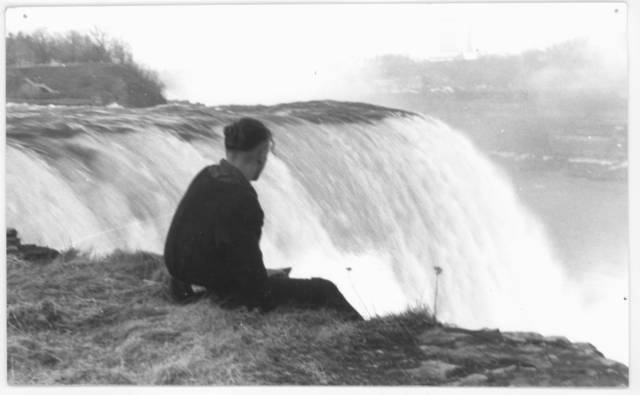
x=214, y=237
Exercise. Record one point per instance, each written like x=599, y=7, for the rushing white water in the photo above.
x=370, y=198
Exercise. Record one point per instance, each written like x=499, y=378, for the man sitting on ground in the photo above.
x=214, y=237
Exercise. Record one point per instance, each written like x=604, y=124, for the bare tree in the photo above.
x=120, y=52
x=101, y=44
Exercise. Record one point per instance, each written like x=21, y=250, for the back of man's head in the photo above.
x=245, y=134
x=247, y=144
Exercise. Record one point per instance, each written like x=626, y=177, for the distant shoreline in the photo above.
x=95, y=84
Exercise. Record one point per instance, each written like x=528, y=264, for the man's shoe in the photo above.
x=182, y=292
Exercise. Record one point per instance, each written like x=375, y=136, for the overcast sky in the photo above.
x=272, y=53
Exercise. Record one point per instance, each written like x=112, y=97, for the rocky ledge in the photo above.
x=460, y=357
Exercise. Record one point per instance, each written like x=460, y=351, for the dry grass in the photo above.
x=78, y=320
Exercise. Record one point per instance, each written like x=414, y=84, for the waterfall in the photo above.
x=370, y=198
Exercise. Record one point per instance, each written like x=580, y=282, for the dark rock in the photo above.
x=474, y=379
x=32, y=252
x=530, y=348
x=536, y=361
x=587, y=349
x=557, y=339
x=441, y=337
x=434, y=370
x=504, y=371
x=13, y=242
x=523, y=337
x=433, y=350
x=608, y=362
x=29, y=252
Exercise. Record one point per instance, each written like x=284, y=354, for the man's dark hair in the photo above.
x=245, y=134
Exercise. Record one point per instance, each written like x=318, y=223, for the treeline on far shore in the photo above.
x=37, y=64
x=40, y=47
x=577, y=72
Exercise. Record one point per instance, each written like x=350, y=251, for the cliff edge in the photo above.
x=73, y=319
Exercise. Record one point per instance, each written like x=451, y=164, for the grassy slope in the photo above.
x=82, y=321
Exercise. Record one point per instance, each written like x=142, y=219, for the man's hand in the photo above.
x=279, y=273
